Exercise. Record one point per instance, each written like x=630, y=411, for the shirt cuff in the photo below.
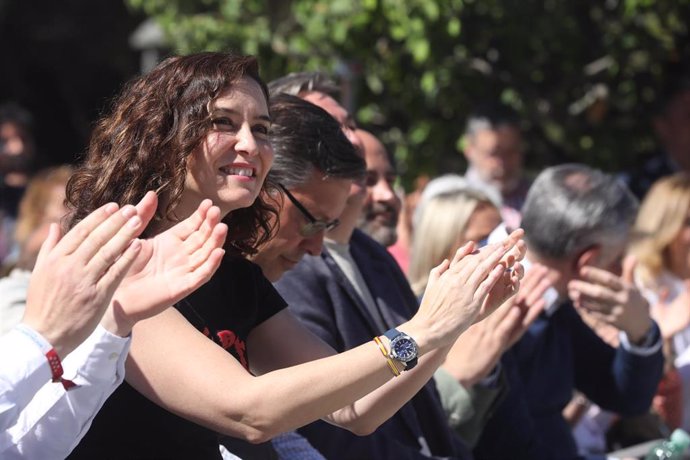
x=24, y=356
x=100, y=357
x=650, y=345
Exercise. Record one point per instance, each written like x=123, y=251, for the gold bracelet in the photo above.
x=391, y=364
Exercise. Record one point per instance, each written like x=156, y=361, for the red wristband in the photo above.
x=50, y=354
x=56, y=369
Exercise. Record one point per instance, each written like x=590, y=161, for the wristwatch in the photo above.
x=403, y=348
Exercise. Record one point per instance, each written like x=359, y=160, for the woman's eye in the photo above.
x=222, y=122
x=261, y=129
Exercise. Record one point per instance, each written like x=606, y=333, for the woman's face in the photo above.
x=230, y=165
x=482, y=222
x=679, y=250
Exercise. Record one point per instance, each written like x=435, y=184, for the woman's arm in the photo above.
x=268, y=351
x=183, y=371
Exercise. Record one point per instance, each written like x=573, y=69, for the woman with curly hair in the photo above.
x=197, y=127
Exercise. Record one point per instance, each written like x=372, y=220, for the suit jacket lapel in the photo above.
x=385, y=291
x=370, y=317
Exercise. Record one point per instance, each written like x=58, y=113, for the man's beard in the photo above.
x=383, y=233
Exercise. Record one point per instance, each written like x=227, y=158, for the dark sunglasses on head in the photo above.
x=313, y=225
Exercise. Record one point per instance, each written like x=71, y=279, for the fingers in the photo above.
x=483, y=263
x=107, y=242
x=592, y=297
x=515, y=254
x=514, y=238
x=534, y=285
x=214, y=241
x=114, y=275
x=49, y=243
x=192, y=223
x=601, y=277
x=465, y=250
x=518, y=271
x=501, y=312
x=485, y=287
x=438, y=270
x=533, y=295
x=207, y=269
x=146, y=208
x=629, y=264
x=77, y=235
x=511, y=321
x=199, y=237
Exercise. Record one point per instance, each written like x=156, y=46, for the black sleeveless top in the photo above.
x=226, y=309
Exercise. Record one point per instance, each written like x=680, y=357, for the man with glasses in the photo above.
x=346, y=294
x=314, y=167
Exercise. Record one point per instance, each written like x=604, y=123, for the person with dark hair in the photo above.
x=344, y=294
x=351, y=290
x=577, y=221
x=319, y=89
x=671, y=124
x=17, y=154
x=495, y=152
x=229, y=358
x=17, y=146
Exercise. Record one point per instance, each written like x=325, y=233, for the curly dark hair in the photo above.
x=153, y=126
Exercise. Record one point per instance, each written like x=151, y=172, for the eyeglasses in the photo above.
x=313, y=226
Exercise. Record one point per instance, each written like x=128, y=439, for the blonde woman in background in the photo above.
x=450, y=213
x=662, y=250
x=41, y=205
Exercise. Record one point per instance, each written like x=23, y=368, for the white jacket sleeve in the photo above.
x=23, y=371
x=55, y=420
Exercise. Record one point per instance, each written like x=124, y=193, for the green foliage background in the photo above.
x=583, y=73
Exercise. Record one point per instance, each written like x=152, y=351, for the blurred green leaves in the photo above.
x=581, y=73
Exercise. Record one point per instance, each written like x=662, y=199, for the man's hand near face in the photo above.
x=613, y=299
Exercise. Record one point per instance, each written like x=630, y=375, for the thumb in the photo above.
x=629, y=264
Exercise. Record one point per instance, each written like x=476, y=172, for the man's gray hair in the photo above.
x=305, y=138
x=301, y=82
x=572, y=207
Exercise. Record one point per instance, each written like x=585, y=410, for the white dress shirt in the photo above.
x=39, y=418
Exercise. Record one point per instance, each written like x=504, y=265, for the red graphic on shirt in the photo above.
x=229, y=339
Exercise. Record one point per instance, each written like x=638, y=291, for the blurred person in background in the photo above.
x=450, y=213
x=671, y=124
x=662, y=249
x=454, y=212
x=17, y=155
x=41, y=205
x=577, y=222
x=495, y=153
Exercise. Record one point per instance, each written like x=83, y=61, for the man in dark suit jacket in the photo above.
x=353, y=291
x=576, y=222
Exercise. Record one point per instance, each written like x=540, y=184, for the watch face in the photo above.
x=405, y=349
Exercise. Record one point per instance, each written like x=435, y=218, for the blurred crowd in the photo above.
x=242, y=276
